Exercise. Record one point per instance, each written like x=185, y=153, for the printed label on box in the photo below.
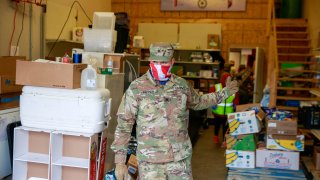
x=240, y=159
x=286, y=142
x=243, y=123
x=277, y=159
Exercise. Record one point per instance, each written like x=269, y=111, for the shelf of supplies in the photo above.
x=63, y=41
x=296, y=62
x=315, y=91
x=298, y=98
x=290, y=54
x=189, y=62
x=198, y=77
x=296, y=88
x=181, y=49
x=299, y=79
x=288, y=108
x=300, y=71
x=316, y=133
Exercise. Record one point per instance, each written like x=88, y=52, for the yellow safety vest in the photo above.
x=225, y=107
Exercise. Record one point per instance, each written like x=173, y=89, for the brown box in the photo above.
x=8, y=74
x=60, y=75
x=316, y=157
x=289, y=127
x=9, y=100
x=117, y=62
x=8, y=84
x=133, y=166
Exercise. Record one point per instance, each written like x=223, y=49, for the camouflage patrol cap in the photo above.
x=161, y=51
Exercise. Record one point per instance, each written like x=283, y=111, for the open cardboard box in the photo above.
x=117, y=62
x=31, y=153
x=8, y=74
x=49, y=74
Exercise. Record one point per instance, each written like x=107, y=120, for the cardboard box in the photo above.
x=8, y=84
x=133, y=166
x=118, y=60
x=316, y=157
x=240, y=159
x=8, y=74
x=9, y=100
x=245, y=107
x=243, y=123
x=49, y=74
x=277, y=159
x=241, y=142
x=285, y=142
x=282, y=127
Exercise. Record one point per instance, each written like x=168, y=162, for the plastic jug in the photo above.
x=89, y=78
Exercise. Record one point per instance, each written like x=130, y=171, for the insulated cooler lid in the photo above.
x=67, y=93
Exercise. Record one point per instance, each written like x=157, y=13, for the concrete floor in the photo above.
x=208, y=160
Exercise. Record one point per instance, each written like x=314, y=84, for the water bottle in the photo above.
x=110, y=66
x=89, y=78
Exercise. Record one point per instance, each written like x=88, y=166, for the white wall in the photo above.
x=57, y=10
x=56, y=16
x=30, y=40
x=311, y=11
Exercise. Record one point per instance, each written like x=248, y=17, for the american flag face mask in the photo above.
x=160, y=72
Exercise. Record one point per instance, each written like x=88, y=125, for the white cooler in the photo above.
x=75, y=110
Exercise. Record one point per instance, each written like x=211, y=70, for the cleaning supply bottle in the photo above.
x=110, y=66
x=66, y=58
x=89, y=78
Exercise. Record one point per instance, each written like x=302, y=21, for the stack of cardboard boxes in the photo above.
x=59, y=151
x=270, y=154
x=241, y=142
x=282, y=145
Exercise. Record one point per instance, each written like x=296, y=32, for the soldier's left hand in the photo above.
x=232, y=86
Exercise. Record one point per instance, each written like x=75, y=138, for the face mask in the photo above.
x=160, y=72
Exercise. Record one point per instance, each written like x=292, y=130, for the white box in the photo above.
x=75, y=110
x=240, y=159
x=31, y=153
x=243, y=123
x=277, y=159
x=99, y=40
x=103, y=20
x=285, y=142
x=78, y=155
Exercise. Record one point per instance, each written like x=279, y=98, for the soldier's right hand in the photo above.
x=121, y=172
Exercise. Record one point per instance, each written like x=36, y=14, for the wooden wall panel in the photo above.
x=238, y=28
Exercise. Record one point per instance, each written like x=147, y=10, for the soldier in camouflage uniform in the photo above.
x=159, y=103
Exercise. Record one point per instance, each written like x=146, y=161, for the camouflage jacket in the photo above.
x=162, y=116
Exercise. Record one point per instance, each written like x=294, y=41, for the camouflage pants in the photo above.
x=180, y=170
